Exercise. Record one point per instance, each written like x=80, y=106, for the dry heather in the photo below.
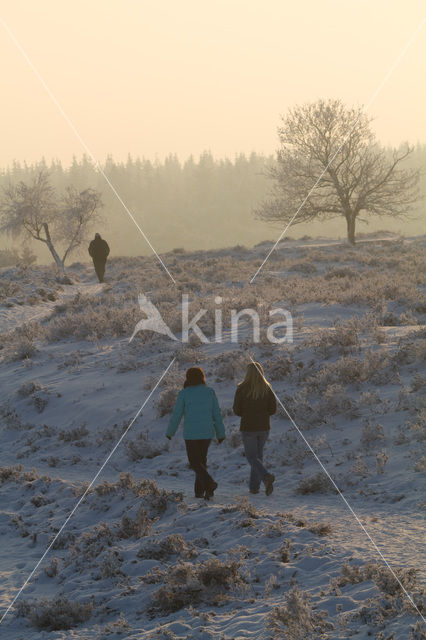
x=296, y=619
x=186, y=584
x=317, y=483
x=56, y=614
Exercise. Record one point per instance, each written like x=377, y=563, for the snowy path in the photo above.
x=405, y=548
x=399, y=536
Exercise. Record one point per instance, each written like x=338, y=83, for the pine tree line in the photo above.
x=199, y=203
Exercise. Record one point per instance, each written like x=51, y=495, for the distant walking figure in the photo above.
x=255, y=402
x=99, y=251
x=198, y=404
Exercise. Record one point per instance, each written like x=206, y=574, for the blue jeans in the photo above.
x=254, y=442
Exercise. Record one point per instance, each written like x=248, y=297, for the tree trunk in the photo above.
x=350, y=222
x=59, y=262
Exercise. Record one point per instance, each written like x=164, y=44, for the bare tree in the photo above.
x=359, y=178
x=35, y=211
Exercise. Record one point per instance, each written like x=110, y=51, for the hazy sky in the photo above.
x=152, y=77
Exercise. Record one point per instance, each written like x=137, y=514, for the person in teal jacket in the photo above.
x=197, y=404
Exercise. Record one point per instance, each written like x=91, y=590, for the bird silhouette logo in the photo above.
x=153, y=320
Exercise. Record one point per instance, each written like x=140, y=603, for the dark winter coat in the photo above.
x=254, y=413
x=99, y=249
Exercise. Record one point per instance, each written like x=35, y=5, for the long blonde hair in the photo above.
x=255, y=381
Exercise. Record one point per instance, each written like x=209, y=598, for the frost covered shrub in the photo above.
x=135, y=527
x=317, y=483
x=342, y=339
x=401, y=437
x=370, y=399
x=51, y=569
x=40, y=402
x=341, y=272
x=100, y=316
x=381, y=460
x=72, y=435
x=418, y=427
x=273, y=529
x=284, y=551
x=418, y=632
x=56, y=614
x=295, y=619
x=28, y=388
x=188, y=584
x=12, y=419
x=155, y=500
x=89, y=545
x=303, y=267
x=335, y=400
x=173, y=544
x=381, y=575
x=21, y=343
x=418, y=383
x=279, y=368
x=373, y=367
x=359, y=468
x=420, y=465
x=142, y=447
x=371, y=434
x=320, y=528
x=230, y=365
x=189, y=354
x=306, y=413
x=412, y=348
x=17, y=474
x=119, y=627
x=242, y=505
x=302, y=409
x=111, y=565
x=167, y=398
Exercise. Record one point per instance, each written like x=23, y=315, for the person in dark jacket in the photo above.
x=255, y=402
x=198, y=404
x=99, y=251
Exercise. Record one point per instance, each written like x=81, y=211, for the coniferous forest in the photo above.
x=199, y=203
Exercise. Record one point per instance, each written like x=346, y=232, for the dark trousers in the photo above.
x=197, y=458
x=99, y=268
x=254, y=442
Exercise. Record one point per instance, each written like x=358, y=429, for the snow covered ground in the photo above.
x=141, y=557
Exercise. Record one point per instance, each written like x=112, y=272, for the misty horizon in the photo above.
x=147, y=79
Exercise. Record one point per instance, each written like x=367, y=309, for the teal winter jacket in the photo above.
x=199, y=407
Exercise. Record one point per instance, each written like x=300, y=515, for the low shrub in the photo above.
x=317, y=483
x=371, y=434
x=381, y=575
x=142, y=447
x=172, y=545
x=56, y=614
x=166, y=400
x=189, y=584
x=135, y=527
x=72, y=435
x=28, y=388
x=295, y=619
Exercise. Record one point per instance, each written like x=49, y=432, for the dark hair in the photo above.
x=194, y=376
